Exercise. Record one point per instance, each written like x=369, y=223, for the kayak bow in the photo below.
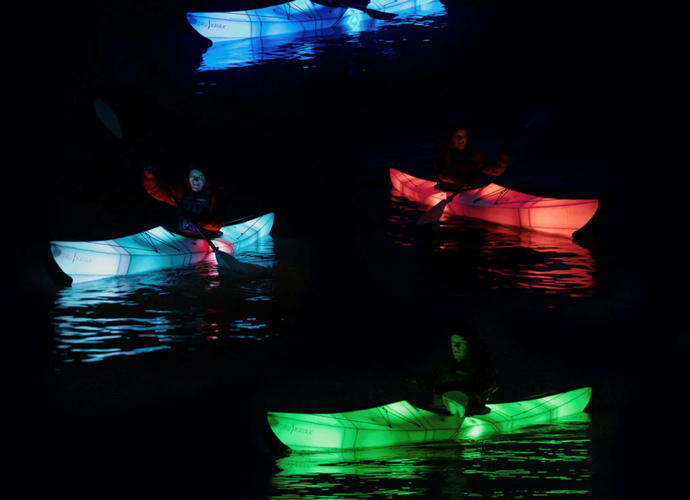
x=152, y=250
x=402, y=423
x=499, y=205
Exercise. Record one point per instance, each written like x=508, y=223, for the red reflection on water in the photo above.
x=502, y=256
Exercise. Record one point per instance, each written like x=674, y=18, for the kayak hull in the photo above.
x=292, y=17
x=298, y=16
x=151, y=250
x=401, y=423
x=500, y=205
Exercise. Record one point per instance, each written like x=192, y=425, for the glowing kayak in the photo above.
x=401, y=423
x=500, y=205
x=298, y=16
x=151, y=250
x=291, y=17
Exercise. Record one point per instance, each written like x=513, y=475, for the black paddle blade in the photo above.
x=378, y=14
x=229, y=262
x=434, y=214
x=108, y=117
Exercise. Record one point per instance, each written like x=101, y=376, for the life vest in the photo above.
x=194, y=202
x=460, y=167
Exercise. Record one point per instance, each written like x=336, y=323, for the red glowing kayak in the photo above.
x=402, y=423
x=500, y=205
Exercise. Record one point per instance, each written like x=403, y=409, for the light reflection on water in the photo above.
x=136, y=314
x=503, y=257
x=547, y=461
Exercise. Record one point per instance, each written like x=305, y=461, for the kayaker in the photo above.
x=467, y=368
x=197, y=202
x=458, y=164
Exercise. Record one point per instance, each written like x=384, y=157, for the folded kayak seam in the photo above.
x=510, y=208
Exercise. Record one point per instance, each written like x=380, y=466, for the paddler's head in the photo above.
x=197, y=178
x=459, y=346
x=459, y=139
x=455, y=136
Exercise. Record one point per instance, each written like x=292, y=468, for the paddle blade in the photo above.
x=379, y=14
x=108, y=117
x=434, y=214
x=229, y=262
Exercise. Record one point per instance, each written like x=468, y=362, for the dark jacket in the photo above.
x=474, y=375
x=462, y=167
x=200, y=206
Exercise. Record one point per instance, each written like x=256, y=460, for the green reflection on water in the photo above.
x=544, y=461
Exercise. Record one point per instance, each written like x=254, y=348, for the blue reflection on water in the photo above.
x=305, y=45
x=143, y=313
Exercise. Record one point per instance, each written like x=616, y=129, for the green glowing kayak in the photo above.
x=402, y=423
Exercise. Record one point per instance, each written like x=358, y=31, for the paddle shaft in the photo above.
x=112, y=123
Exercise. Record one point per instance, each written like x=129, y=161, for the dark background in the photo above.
x=617, y=70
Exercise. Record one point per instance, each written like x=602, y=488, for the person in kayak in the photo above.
x=198, y=203
x=458, y=164
x=467, y=369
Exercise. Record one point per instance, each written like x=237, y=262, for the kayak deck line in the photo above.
x=402, y=423
x=500, y=205
x=154, y=249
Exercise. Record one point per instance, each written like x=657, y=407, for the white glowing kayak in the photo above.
x=402, y=423
x=297, y=16
x=500, y=205
x=152, y=250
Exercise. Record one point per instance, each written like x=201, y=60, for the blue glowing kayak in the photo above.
x=402, y=423
x=152, y=250
x=298, y=16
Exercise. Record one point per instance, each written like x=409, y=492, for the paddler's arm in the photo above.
x=499, y=166
x=155, y=188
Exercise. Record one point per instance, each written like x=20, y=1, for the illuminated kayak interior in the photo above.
x=152, y=250
x=402, y=423
x=500, y=205
x=298, y=16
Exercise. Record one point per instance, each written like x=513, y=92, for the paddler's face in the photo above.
x=459, y=346
x=197, y=180
x=460, y=139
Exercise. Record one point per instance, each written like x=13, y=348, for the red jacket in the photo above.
x=203, y=204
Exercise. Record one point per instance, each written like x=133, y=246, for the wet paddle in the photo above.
x=108, y=117
x=435, y=213
x=224, y=259
x=354, y=4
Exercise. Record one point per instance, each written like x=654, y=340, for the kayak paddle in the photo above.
x=112, y=123
x=224, y=259
x=436, y=212
x=354, y=4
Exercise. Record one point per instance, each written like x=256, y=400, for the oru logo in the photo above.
x=75, y=257
x=206, y=23
x=295, y=429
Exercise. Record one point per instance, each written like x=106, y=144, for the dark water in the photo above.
x=160, y=382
